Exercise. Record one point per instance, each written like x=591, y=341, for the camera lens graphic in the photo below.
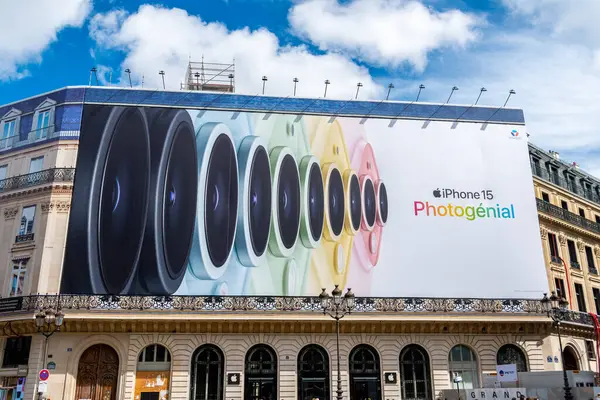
x=335, y=194
x=313, y=202
x=355, y=202
x=221, y=205
x=254, y=216
x=286, y=202
x=119, y=200
x=370, y=203
x=217, y=202
x=353, y=193
x=382, y=204
x=172, y=205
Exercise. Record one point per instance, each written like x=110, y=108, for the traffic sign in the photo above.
x=44, y=375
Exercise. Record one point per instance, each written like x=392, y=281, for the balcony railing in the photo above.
x=572, y=186
x=38, y=178
x=593, y=270
x=575, y=265
x=26, y=237
x=33, y=136
x=567, y=216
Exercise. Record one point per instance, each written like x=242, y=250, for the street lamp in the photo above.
x=556, y=308
x=326, y=84
x=264, y=79
x=337, y=307
x=295, y=83
x=48, y=323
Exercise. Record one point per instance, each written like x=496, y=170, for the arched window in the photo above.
x=414, y=373
x=153, y=371
x=511, y=354
x=207, y=376
x=365, y=375
x=570, y=359
x=261, y=373
x=463, y=362
x=313, y=373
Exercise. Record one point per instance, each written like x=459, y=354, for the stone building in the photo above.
x=132, y=347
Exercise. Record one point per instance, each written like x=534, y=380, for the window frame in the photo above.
x=46, y=106
x=26, y=231
x=580, y=297
x=21, y=268
x=461, y=366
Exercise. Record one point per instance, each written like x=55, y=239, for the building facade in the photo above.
x=173, y=347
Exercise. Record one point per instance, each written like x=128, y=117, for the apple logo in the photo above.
x=437, y=194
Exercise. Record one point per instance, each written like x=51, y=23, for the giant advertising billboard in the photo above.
x=190, y=202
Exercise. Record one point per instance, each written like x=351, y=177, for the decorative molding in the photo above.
x=562, y=239
x=11, y=212
x=544, y=232
x=597, y=251
x=580, y=245
x=63, y=206
x=47, y=206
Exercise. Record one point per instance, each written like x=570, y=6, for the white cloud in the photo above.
x=383, y=32
x=552, y=62
x=156, y=38
x=28, y=27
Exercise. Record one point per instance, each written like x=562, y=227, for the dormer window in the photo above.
x=43, y=120
x=9, y=128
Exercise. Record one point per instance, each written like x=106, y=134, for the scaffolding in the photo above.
x=212, y=77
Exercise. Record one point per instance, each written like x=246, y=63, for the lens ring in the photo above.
x=286, y=204
x=290, y=277
x=382, y=203
x=369, y=203
x=116, y=220
x=334, y=202
x=353, y=198
x=169, y=228
x=254, y=214
x=313, y=202
x=217, y=202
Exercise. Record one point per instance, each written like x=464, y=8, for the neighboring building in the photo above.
x=38, y=149
x=159, y=347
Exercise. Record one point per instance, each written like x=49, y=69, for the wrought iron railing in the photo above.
x=271, y=303
x=38, y=178
x=567, y=216
x=261, y=304
x=26, y=237
x=575, y=265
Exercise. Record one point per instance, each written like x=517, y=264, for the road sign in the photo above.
x=44, y=375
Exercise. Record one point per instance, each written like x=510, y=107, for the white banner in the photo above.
x=491, y=394
x=507, y=373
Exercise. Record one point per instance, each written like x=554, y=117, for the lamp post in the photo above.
x=162, y=73
x=326, y=84
x=390, y=87
x=337, y=307
x=48, y=322
x=295, y=84
x=128, y=72
x=264, y=79
x=358, y=86
x=556, y=308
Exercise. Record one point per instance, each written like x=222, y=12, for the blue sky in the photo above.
x=548, y=51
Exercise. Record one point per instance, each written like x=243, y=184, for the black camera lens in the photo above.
x=355, y=203
x=260, y=201
x=179, y=206
x=172, y=203
x=383, y=203
x=221, y=200
x=335, y=191
x=370, y=202
x=123, y=199
x=316, y=202
x=288, y=199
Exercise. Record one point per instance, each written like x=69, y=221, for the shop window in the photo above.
x=463, y=363
x=511, y=354
x=16, y=351
x=153, y=372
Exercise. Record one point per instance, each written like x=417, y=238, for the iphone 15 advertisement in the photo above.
x=188, y=202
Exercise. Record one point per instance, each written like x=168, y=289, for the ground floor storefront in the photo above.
x=271, y=366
